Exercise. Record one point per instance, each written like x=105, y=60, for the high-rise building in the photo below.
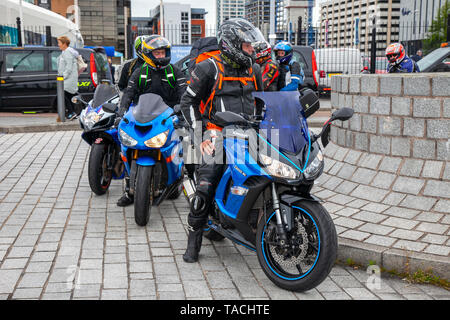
x=258, y=13
x=228, y=9
x=182, y=25
x=416, y=17
x=348, y=23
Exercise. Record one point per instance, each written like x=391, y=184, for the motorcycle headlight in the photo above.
x=313, y=169
x=157, y=141
x=278, y=169
x=126, y=139
x=92, y=118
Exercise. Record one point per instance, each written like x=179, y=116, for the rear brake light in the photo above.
x=314, y=67
x=94, y=76
x=322, y=74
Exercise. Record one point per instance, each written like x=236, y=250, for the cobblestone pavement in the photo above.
x=60, y=241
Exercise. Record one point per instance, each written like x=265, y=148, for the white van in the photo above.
x=335, y=61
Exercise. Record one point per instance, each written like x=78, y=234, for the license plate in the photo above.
x=333, y=74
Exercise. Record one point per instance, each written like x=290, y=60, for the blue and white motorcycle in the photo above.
x=97, y=122
x=152, y=153
x=263, y=199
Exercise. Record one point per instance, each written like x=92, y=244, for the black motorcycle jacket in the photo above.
x=169, y=83
x=127, y=70
x=216, y=86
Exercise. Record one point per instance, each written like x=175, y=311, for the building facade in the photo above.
x=101, y=22
x=228, y=9
x=348, y=23
x=180, y=23
x=416, y=17
x=258, y=13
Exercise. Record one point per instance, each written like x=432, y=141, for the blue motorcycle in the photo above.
x=263, y=199
x=97, y=122
x=152, y=153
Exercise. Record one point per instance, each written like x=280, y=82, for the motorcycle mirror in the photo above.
x=77, y=99
x=342, y=114
x=109, y=107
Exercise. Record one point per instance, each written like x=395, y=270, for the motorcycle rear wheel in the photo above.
x=315, y=248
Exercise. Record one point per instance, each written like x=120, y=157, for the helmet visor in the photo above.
x=156, y=43
x=252, y=36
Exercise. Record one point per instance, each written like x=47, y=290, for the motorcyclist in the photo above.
x=269, y=68
x=223, y=82
x=156, y=76
x=131, y=65
x=398, y=60
x=291, y=73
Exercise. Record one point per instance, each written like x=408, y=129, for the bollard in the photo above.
x=60, y=98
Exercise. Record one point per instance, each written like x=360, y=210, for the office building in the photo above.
x=228, y=9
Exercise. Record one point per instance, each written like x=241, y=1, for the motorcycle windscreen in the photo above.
x=149, y=107
x=284, y=124
x=103, y=93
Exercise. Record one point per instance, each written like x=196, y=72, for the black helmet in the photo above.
x=155, y=42
x=232, y=33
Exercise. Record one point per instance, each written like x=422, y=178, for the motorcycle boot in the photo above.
x=127, y=198
x=196, y=220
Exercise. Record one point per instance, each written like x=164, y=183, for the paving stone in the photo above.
x=375, y=229
x=380, y=240
x=400, y=223
x=33, y=280
x=355, y=235
x=439, y=250
x=432, y=227
x=408, y=185
x=390, y=164
x=442, y=206
x=369, y=193
x=369, y=216
x=420, y=203
x=437, y=189
x=432, y=169
x=406, y=234
x=409, y=245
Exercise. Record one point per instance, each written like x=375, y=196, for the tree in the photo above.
x=438, y=29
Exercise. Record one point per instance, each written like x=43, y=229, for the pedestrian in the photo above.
x=68, y=68
x=224, y=82
x=113, y=70
x=417, y=56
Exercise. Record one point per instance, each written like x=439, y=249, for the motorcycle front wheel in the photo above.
x=311, y=253
x=99, y=175
x=143, y=195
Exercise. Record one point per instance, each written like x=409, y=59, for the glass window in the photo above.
x=54, y=55
x=24, y=61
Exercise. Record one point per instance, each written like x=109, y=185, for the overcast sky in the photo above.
x=141, y=8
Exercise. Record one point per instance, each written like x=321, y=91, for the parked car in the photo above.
x=28, y=76
x=436, y=61
x=302, y=54
x=336, y=61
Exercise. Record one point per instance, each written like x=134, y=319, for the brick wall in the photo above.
x=397, y=115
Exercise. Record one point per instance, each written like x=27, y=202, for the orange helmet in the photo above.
x=395, y=53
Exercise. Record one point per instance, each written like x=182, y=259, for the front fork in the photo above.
x=280, y=218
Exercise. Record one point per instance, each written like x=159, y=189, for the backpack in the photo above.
x=218, y=85
x=202, y=49
x=81, y=64
x=144, y=81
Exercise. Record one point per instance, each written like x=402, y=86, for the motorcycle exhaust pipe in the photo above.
x=189, y=189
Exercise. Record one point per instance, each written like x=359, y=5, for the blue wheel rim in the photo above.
x=265, y=255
